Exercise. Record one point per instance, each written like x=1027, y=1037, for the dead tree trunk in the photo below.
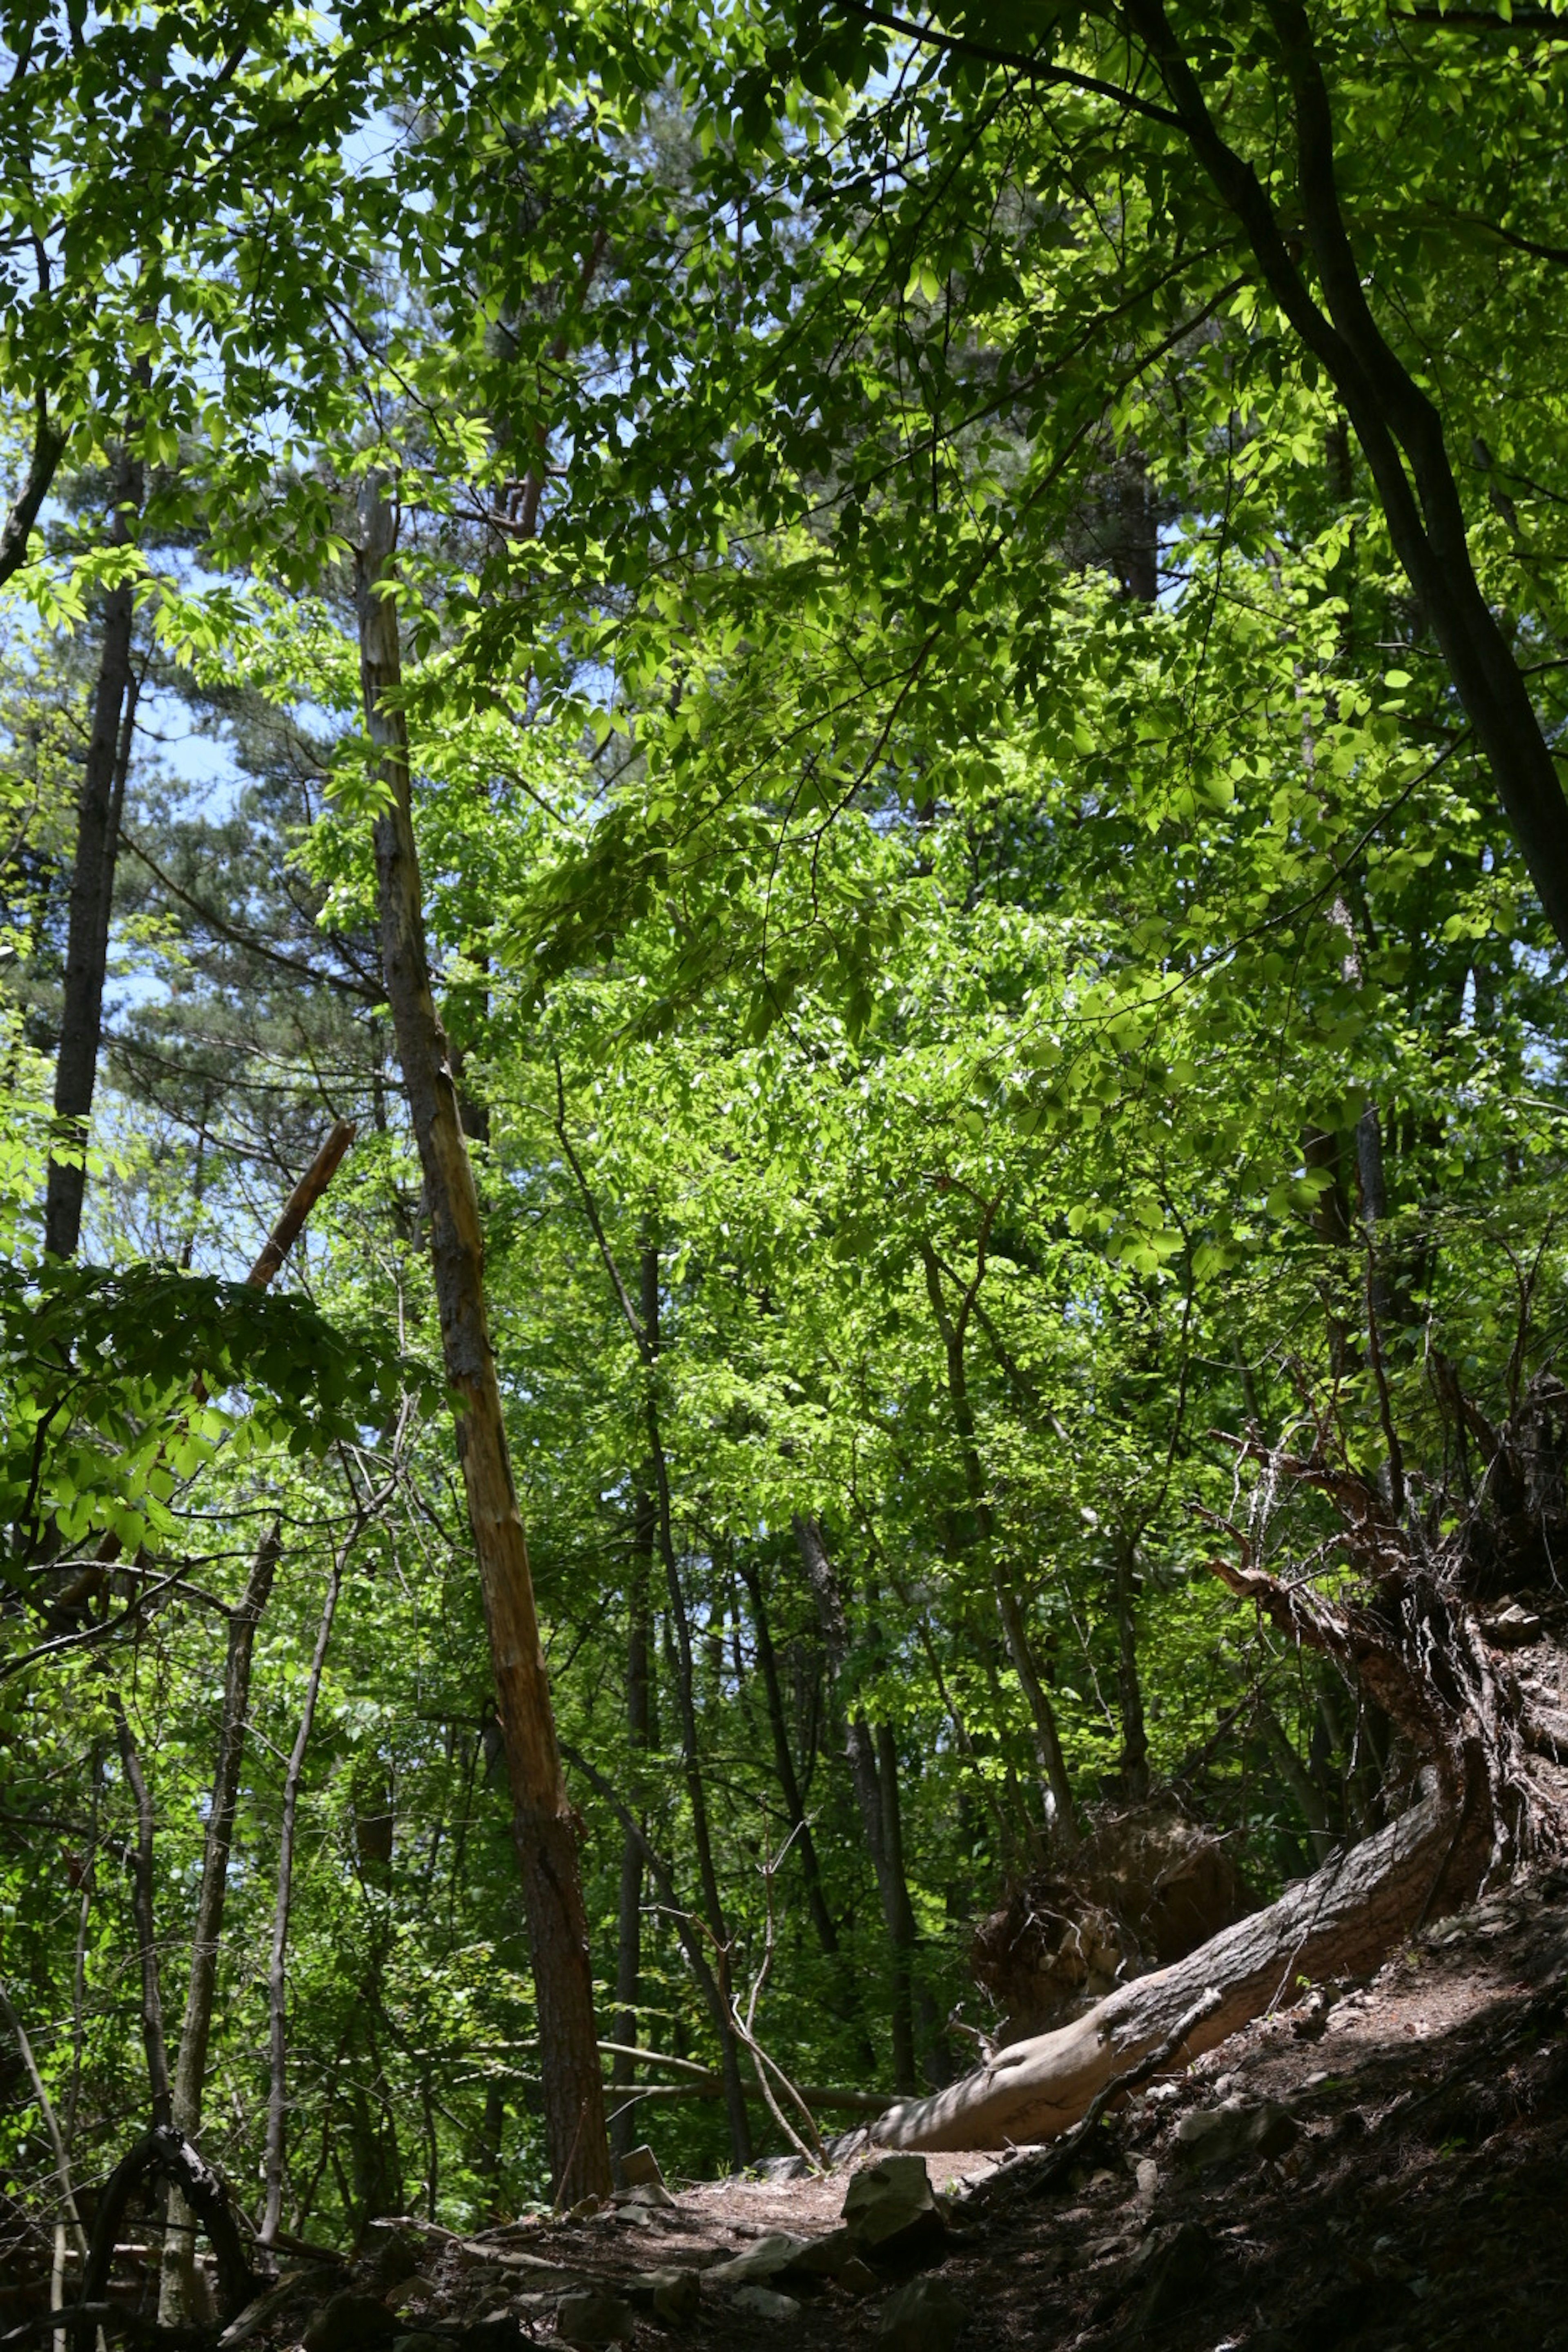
x=98, y=804
x=1416, y=1649
x=1340, y=1922
x=542, y=1811
x=190, y=2069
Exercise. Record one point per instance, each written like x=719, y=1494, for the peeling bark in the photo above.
x=545, y=1832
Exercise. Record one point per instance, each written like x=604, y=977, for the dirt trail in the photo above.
x=1384, y=2166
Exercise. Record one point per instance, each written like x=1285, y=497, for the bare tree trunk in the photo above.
x=92, y=879
x=644, y=1328
x=879, y=1807
x=784, y=1764
x=159, y=2092
x=639, y=1729
x=1342, y=1922
x=1129, y=1688
x=175, y=2286
x=277, y=1975
x=542, y=1811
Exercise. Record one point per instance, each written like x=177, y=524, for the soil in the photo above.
x=1421, y=2203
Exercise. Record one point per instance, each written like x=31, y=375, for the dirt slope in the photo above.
x=1384, y=2166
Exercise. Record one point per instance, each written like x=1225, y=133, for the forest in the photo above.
x=783, y=888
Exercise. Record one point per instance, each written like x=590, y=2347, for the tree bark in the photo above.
x=99, y=807
x=1340, y=1922
x=639, y=1729
x=1400, y=432
x=872, y=1800
x=190, y=2070
x=953, y=1329
x=159, y=2092
x=542, y=1813
x=784, y=1764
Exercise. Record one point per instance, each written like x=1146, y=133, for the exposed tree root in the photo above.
x=1470, y=1812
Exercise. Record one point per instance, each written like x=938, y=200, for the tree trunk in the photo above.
x=1056, y=1784
x=1342, y=1922
x=873, y=1800
x=160, y=2094
x=1134, y=1764
x=190, y=2070
x=784, y=1764
x=1400, y=431
x=639, y=1727
x=92, y=881
x=542, y=1811
x=277, y=1976
x=642, y=1323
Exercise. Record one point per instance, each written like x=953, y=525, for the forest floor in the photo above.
x=1384, y=2166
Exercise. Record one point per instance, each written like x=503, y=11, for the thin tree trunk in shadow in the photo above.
x=92, y=879
x=277, y=1975
x=177, y=2281
x=640, y=1731
x=879, y=1807
x=160, y=2091
x=784, y=1764
x=644, y=1328
x=1134, y=1758
x=847, y=1999
x=953, y=1330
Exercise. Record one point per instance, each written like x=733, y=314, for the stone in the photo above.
x=393, y=2250
x=890, y=2211
x=644, y=2195
x=1175, y=2265
x=417, y=2289
x=824, y=2258
x=593, y=2318
x=763, y=2304
x=420, y=2339
x=351, y=2321
x=923, y=2317
x=672, y=2294
x=497, y=2331
x=765, y=2259
x=1237, y=2127
x=1511, y=1628
x=857, y=2278
x=638, y=2166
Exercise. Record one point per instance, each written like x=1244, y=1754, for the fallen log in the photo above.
x=1342, y=1922
x=1415, y=1644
